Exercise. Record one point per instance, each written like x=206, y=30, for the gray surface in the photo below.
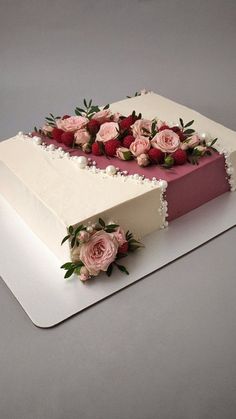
x=165, y=347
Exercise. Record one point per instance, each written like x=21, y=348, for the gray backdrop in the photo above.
x=165, y=347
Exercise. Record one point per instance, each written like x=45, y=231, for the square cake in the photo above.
x=148, y=173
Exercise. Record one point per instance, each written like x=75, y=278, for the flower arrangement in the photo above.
x=149, y=142
x=98, y=248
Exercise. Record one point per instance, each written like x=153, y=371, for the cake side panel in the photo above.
x=198, y=187
x=37, y=216
x=141, y=215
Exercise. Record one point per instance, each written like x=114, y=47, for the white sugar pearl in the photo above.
x=20, y=133
x=205, y=136
x=163, y=184
x=136, y=176
x=51, y=147
x=82, y=162
x=37, y=140
x=89, y=229
x=111, y=170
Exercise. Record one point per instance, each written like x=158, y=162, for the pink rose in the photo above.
x=73, y=123
x=143, y=160
x=167, y=141
x=194, y=141
x=119, y=235
x=139, y=146
x=107, y=131
x=140, y=127
x=102, y=116
x=82, y=136
x=99, y=252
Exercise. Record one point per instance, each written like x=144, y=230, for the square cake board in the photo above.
x=34, y=276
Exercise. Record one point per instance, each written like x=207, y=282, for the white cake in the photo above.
x=51, y=191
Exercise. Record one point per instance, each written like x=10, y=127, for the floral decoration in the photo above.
x=150, y=142
x=97, y=248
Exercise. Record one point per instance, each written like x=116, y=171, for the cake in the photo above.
x=61, y=183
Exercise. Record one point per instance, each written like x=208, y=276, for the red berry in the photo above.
x=164, y=127
x=93, y=126
x=56, y=134
x=111, y=147
x=129, y=139
x=126, y=123
x=156, y=155
x=123, y=248
x=67, y=138
x=180, y=156
x=96, y=149
x=65, y=117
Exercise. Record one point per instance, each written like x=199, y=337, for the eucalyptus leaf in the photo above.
x=65, y=238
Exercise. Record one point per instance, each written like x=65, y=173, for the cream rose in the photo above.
x=140, y=128
x=102, y=116
x=167, y=141
x=73, y=123
x=99, y=252
x=107, y=131
x=139, y=146
x=82, y=136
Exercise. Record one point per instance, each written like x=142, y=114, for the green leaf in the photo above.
x=73, y=241
x=65, y=238
x=90, y=103
x=109, y=270
x=181, y=122
x=85, y=103
x=79, y=228
x=69, y=273
x=107, y=106
x=71, y=229
x=122, y=268
x=189, y=124
x=213, y=142
x=101, y=222
x=189, y=131
x=67, y=265
x=77, y=112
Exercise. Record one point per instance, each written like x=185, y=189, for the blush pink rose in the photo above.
x=107, y=131
x=140, y=127
x=99, y=252
x=139, y=146
x=167, y=141
x=102, y=116
x=119, y=235
x=73, y=123
x=82, y=136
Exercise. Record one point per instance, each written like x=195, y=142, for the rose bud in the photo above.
x=201, y=149
x=194, y=141
x=143, y=160
x=169, y=161
x=84, y=274
x=124, y=153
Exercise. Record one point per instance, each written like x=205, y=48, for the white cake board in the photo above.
x=33, y=275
